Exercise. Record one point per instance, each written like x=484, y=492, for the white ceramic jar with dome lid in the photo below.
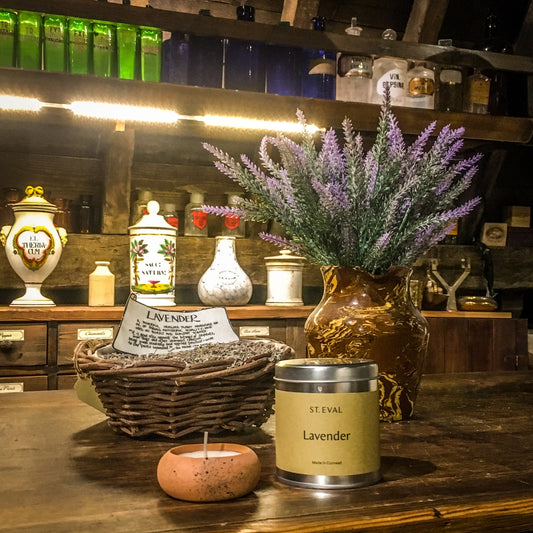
x=152, y=258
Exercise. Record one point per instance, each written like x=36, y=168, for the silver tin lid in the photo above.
x=325, y=370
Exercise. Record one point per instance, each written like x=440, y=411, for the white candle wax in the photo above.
x=210, y=453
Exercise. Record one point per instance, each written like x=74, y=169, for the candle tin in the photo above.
x=327, y=423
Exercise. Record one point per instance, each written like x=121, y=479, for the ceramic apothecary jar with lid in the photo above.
x=33, y=245
x=152, y=258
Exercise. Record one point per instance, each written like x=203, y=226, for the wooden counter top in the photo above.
x=464, y=464
x=80, y=313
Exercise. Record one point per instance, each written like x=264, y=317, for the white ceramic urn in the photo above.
x=33, y=245
x=225, y=282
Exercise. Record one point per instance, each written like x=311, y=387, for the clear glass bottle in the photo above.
x=391, y=70
x=151, y=43
x=8, y=32
x=283, y=68
x=127, y=45
x=79, y=46
x=170, y=215
x=450, y=90
x=244, y=66
x=420, y=86
x=175, y=57
x=234, y=225
x=206, y=59
x=29, y=40
x=318, y=80
x=139, y=206
x=101, y=286
x=54, y=43
x=104, y=50
x=354, y=72
x=477, y=93
x=195, y=224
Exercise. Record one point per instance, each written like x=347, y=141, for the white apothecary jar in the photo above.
x=33, y=245
x=153, y=258
x=284, y=279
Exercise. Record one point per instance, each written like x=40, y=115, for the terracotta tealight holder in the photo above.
x=228, y=471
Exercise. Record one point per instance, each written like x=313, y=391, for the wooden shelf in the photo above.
x=268, y=33
x=52, y=87
x=77, y=313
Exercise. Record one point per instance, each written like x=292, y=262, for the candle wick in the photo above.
x=206, y=435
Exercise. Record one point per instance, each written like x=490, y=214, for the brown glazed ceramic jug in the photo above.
x=373, y=317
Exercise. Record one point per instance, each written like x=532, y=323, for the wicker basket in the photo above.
x=214, y=388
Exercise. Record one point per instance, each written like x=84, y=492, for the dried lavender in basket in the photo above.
x=236, y=353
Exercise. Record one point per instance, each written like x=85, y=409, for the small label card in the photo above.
x=144, y=329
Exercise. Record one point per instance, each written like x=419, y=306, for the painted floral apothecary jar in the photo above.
x=33, y=245
x=152, y=258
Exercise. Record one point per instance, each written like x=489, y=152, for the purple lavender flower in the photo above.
x=345, y=206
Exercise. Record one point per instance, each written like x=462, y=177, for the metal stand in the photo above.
x=451, y=305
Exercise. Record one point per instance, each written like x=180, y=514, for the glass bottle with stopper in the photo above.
x=354, y=72
x=195, y=217
x=234, y=225
x=392, y=71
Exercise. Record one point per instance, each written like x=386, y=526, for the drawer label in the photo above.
x=11, y=335
x=254, y=331
x=86, y=334
x=11, y=387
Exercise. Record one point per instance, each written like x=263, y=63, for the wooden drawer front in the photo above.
x=71, y=333
x=22, y=344
x=13, y=383
x=264, y=329
x=66, y=381
x=476, y=345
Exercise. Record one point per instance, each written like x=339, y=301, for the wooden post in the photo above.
x=117, y=180
x=425, y=21
x=299, y=12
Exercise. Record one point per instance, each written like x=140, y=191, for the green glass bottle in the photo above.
x=150, y=48
x=104, y=38
x=126, y=51
x=54, y=43
x=29, y=40
x=8, y=27
x=79, y=46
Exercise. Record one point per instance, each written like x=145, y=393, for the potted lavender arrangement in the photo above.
x=365, y=217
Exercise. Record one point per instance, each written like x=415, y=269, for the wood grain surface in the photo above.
x=463, y=464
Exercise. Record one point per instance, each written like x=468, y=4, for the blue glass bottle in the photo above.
x=283, y=68
x=175, y=57
x=206, y=59
x=245, y=60
x=318, y=80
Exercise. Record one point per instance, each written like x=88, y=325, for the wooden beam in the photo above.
x=425, y=21
x=524, y=41
x=117, y=181
x=299, y=12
